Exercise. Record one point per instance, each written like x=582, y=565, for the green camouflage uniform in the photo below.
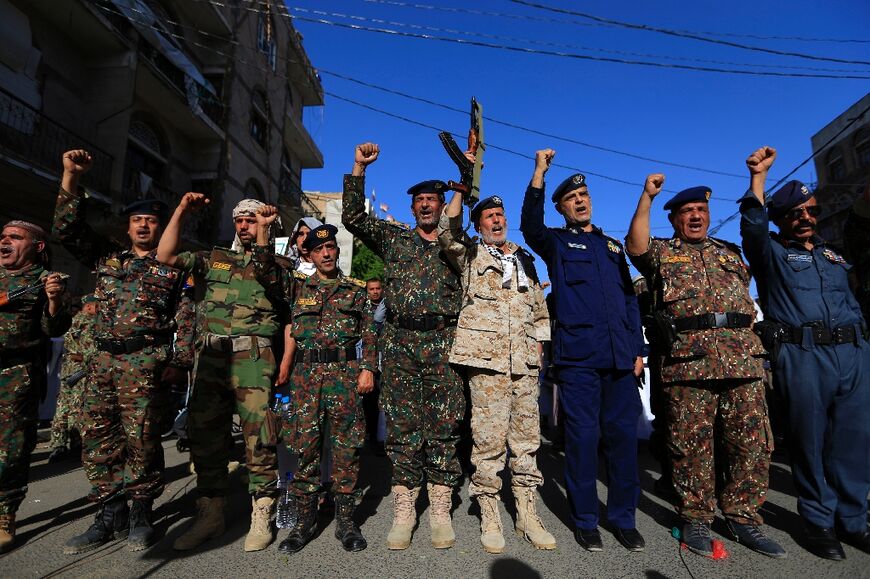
x=24, y=328
x=329, y=317
x=712, y=379
x=857, y=238
x=234, y=370
x=126, y=407
x=421, y=393
x=78, y=350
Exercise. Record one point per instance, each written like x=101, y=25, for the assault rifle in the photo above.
x=6, y=297
x=469, y=173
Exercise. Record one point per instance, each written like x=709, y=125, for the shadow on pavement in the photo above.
x=513, y=568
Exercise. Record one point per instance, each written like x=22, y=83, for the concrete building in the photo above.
x=843, y=168
x=168, y=95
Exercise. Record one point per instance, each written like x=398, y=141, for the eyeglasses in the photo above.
x=798, y=212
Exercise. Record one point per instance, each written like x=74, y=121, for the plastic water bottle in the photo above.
x=285, y=517
x=276, y=404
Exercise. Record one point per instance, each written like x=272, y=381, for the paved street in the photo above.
x=55, y=510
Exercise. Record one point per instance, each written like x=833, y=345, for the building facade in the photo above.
x=168, y=95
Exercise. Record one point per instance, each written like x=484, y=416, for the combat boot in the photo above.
x=7, y=532
x=208, y=524
x=260, y=536
x=346, y=530
x=491, y=536
x=529, y=524
x=111, y=522
x=440, y=503
x=141, y=532
x=306, y=524
x=404, y=517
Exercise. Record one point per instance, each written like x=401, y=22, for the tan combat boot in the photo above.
x=7, y=532
x=260, y=535
x=208, y=524
x=529, y=524
x=490, y=524
x=404, y=517
x=440, y=502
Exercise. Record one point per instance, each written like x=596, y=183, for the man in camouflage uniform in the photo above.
x=27, y=320
x=234, y=374
x=502, y=324
x=422, y=394
x=126, y=405
x=78, y=349
x=329, y=318
x=857, y=238
x=711, y=372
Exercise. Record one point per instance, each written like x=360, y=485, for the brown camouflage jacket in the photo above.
x=24, y=321
x=691, y=279
x=499, y=328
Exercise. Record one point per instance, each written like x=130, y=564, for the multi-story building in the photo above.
x=843, y=168
x=168, y=95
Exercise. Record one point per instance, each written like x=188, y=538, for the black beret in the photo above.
x=488, y=203
x=575, y=181
x=690, y=195
x=789, y=195
x=430, y=186
x=149, y=206
x=320, y=235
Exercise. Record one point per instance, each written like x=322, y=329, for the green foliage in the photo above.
x=365, y=264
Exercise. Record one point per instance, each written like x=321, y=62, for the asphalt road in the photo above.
x=55, y=509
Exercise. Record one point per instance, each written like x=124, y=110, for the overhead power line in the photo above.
x=688, y=35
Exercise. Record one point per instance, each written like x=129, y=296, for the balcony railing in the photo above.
x=33, y=139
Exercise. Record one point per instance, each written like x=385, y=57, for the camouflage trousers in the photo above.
x=504, y=416
x=19, y=402
x=325, y=400
x=67, y=413
x=125, y=413
x=423, y=398
x=733, y=413
x=228, y=383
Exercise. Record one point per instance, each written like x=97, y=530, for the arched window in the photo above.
x=862, y=148
x=260, y=118
x=836, y=166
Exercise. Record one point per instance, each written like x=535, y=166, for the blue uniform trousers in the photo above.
x=606, y=402
x=827, y=393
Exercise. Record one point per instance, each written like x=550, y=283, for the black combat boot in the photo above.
x=110, y=523
x=306, y=524
x=346, y=530
x=141, y=532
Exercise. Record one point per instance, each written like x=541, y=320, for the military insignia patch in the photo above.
x=802, y=257
x=113, y=262
x=614, y=247
x=222, y=265
x=577, y=245
x=707, y=195
x=306, y=302
x=163, y=272
x=322, y=234
x=833, y=256
x=677, y=259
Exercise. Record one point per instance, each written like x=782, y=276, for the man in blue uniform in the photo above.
x=597, y=347
x=819, y=352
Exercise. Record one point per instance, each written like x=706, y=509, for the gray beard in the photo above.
x=491, y=241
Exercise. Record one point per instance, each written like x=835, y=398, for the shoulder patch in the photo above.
x=299, y=275
x=221, y=265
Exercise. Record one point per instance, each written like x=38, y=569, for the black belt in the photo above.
x=713, y=320
x=822, y=336
x=325, y=355
x=423, y=323
x=132, y=345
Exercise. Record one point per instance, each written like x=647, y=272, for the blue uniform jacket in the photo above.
x=795, y=286
x=597, y=318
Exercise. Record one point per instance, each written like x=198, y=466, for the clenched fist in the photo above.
x=77, y=162
x=267, y=215
x=543, y=158
x=761, y=160
x=193, y=201
x=653, y=184
x=366, y=154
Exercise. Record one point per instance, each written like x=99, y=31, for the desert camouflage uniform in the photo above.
x=126, y=407
x=24, y=328
x=712, y=379
x=497, y=339
x=421, y=393
x=857, y=238
x=78, y=349
x=234, y=370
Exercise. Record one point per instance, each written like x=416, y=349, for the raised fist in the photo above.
x=267, y=215
x=77, y=162
x=366, y=154
x=543, y=158
x=54, y=286
x=193, y=201
x=761, y=160
x=653, y=184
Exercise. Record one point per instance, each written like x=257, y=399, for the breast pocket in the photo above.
x=677, y=282
x=577, y=270
x=158, y=287
x=802, y=274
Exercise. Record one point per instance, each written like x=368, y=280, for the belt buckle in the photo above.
x=440, y=323
x=720, y=319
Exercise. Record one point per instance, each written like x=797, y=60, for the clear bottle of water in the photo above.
x=285, y=517
x=276, y=404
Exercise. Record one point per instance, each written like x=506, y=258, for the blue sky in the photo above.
x=707, y=120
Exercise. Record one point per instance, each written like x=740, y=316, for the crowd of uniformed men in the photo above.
x=461, y=321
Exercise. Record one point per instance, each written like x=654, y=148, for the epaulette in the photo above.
x=299, y=275
x=730, y=245
x=355, y=281
x=613, y=239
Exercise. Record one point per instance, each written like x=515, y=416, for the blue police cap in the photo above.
x=488, y=203
x=575, y=181
x=690, y=195
x=320, y=235
x=789, y=195
x=430, y=186
x=148, y=206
